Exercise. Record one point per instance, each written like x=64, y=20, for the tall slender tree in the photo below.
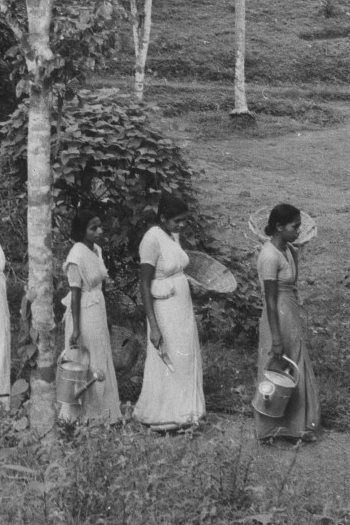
x=40, y=286
x=241, y=107
x=141, y=23
x=35, y=42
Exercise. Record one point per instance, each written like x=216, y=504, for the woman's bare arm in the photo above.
x=271, y=294
x=147, y=275
x=75, y=305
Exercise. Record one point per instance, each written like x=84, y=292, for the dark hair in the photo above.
x=281, y=214
x=170, y=206
x=80, y=223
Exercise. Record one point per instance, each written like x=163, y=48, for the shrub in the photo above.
x=112, y=476
x=107, y=156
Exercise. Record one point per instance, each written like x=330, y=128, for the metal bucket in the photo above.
x=273, y=393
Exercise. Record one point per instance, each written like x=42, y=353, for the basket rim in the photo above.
x=308, y=226
x=228, y=287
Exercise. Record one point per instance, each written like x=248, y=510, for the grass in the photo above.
x=205, y=107
x=126, y=475
x=196, y=41
x=215, y=475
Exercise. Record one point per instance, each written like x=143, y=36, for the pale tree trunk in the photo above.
x=141, y=31
x=40, y=285
x=240, y=95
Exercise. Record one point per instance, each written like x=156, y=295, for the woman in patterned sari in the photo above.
x=281, y=330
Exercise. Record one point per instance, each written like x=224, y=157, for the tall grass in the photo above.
x=126, y=475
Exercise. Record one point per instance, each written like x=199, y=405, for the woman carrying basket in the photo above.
x=172, y=392
x=281, y=331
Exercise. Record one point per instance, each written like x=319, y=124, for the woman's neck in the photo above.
x=89, y=245
x=279, y=243
x=165, y=230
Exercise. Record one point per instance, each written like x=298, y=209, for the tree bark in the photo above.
x=240, y=94
x=40, y=282
x=141, y=33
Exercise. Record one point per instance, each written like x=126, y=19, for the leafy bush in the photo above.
x=82, y=37
x=108, y=157
x=105, y=156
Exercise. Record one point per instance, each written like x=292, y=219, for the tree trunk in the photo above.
x=240, y=95
x=40, y=284
x=141, y=33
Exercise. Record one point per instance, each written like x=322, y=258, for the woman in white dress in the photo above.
x=86, y=319
x=5, y=339
x=172, y=391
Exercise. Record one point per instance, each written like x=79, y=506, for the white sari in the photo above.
x=85, y=269
x=5, y=338
x=171, y=398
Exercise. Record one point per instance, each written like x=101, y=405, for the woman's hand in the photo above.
x=73, y=341
x=276, y=361
x=156, y=337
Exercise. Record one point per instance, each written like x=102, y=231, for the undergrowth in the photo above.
x=126, y=476
x=212, y=475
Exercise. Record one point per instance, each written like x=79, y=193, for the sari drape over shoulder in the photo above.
x=302, y=414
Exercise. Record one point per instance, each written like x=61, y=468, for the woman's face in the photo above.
x=290, y=232
x=93, y=230
x=176, y=224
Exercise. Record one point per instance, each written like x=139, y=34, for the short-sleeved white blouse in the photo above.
x=274, y=266
x=162, y=251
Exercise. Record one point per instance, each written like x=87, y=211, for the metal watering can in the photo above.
x=71, y=383
x=273, y=393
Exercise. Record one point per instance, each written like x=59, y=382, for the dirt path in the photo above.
x=311, y=170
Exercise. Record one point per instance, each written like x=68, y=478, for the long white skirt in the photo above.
x=5, y=345
x=170, y=399
x=101, y=400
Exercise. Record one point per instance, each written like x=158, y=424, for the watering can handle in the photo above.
x=98, y=375
x=296, y=368
x=63, y=353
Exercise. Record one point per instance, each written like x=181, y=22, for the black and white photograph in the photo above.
x=174, y=262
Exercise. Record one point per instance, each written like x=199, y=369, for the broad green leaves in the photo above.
x=106, y=156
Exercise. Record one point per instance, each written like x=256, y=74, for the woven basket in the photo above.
x=205, y=272
x=258, y=221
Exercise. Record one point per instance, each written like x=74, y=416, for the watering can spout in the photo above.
x=98, y=375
